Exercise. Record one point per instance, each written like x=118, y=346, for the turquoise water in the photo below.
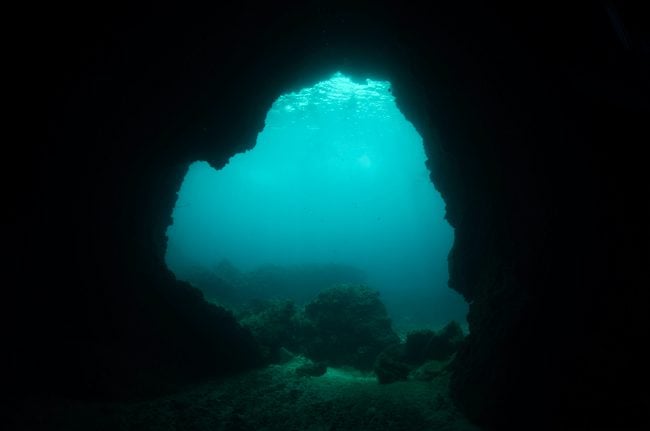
x=337, y=176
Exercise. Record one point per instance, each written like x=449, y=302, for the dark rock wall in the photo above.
x=534, y=120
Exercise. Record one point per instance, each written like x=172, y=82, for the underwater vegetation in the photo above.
x=347, y=326
x=327, y=315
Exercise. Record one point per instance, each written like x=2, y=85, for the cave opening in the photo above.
x=336, y=190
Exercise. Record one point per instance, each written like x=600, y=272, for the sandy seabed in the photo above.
x=272, y=398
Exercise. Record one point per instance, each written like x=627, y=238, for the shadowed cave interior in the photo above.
x=532, y=122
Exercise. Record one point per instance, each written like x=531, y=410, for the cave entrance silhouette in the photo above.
x=335, y=188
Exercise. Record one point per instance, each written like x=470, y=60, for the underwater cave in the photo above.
x=532, y=123
x=336, y=187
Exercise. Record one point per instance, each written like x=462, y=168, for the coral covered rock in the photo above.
x=311, y=369
x=391, y=365
x=424, y=355
x=425, y=344
x=429, y=370
x=347, y=325
x=416, y=346
x=275, y=326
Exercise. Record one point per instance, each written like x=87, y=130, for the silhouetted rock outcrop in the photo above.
x=423, y=355
x=426, y=344
x=347, y=325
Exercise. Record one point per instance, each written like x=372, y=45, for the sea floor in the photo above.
x=272, y=398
